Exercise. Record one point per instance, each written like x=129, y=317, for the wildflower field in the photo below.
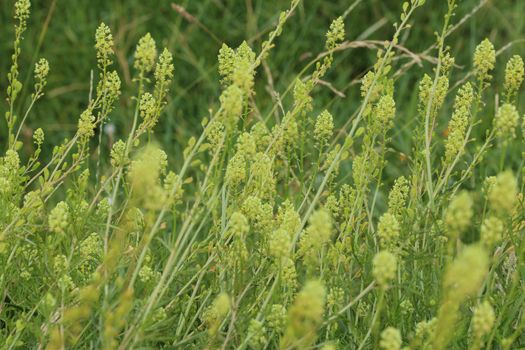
x=245, y=174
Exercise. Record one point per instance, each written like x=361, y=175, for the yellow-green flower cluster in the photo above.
x=459, y=214
x=514, y=73
x=363, y=309
x=276, y=317
x=261, y=135
x=226, y=63
x=267, y=45
x=484, y=60
x=506, y=122
x=280, y=244
x=259, y=214
x=159, y=315
x=91, y=246
x=91, y=250
x=261, y=167
x=9, y=165
x=388, y=230
x=397, y=197
x=335, y=34
x=173, y=188
x=324, y=127
x=383, y=113
x=390, y=339
x=237, y=67
x=33, y=200
x=118, y=154
x=347, y=197
x=462, y=280
x=145, y=54
x=447, y=62
x=215, y=134
x=22, y=11
x=384, y=268
x=491, y=232
x=366, y=86
x=108, y=87
x=482, y=320
x=263, y=180
x=329, y=346
x=104, y=46
x=407, y=307
x=288, y=219
x=144, y=177
x=464, y=277
x=236, y=170
x=147, y=275
x=60, y=264
x=163, y=74
x=11, y=160
x=40, y=73
x=238, y=225
x=427, y=94
x=302, y=89
x=58, y=219
x=217, y=312
x=317, y=235
x=332, y=205
x=301, y=95
x=38, y=136
x=256, y=333
x=109, y=90
x=148, y=110
x=425, y=333
x=152, y=104
x=86, y=125
x=457, y=127
x=246, y=144
x=243, y=75
x=286, y=135
x=320, y=227
x=288, y=273
x=502, y=194
x=232, y=104
x=305, y=316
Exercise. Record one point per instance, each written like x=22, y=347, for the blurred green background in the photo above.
x=63, y=32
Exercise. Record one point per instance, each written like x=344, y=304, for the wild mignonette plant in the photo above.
x=280, y=228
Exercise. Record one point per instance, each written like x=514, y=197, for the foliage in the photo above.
x=280, y=229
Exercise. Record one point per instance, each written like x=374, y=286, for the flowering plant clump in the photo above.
x=281, y=227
